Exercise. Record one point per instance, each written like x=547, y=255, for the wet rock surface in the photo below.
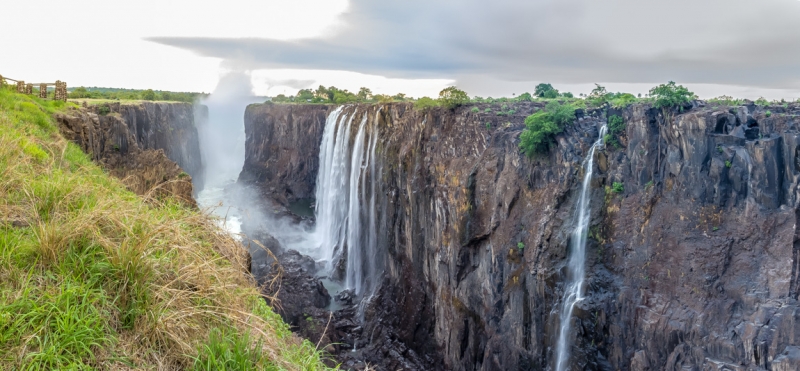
x=694, y=265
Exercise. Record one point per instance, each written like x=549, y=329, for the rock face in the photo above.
x=282, y=148
x=151, y=146
x=694, y=265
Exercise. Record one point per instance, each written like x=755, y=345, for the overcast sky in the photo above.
x=744, y=48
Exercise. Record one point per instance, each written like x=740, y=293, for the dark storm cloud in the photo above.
x=745, y=42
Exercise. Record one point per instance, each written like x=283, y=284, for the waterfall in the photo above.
x=573, y=292
x=346, y=197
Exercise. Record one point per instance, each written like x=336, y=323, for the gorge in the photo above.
x=460, y=250
x=692, y=265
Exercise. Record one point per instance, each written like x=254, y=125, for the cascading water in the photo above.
x=346, y=197
x=576, y=274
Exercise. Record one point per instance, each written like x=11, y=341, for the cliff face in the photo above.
x=693, y=266
x=148, y=145
x=282, y=148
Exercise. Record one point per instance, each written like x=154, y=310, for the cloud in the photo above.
x=735, y=42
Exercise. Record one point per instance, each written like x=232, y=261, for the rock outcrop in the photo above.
x=693, y=265
x=152, y=147
x=282, y=150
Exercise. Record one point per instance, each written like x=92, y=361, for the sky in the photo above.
x=742, y=48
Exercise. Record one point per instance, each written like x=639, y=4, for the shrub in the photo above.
x=452, y=97
x=545, y=90
x=769, y=113
x=671, y=95
x=149, y=94
x=542, y=127
x=426, y=103
x=103, y=109
x=475, y=109
x=616, y=124
x=618, y=187
x=525, y=97
x=520, y=245
x=728, y=163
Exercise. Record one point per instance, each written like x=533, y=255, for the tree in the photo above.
x=364, y=94
x=452, y=97
x=567, y=95
x=305, y=95
x=544, y=90
x=149, y=94
x=671, y=95
x=542, y=127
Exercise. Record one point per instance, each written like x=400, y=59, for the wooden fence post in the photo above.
x=29, y=89
x=43, y=91
x=57, y=95
x=21, y=87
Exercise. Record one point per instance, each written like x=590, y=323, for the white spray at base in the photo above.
x=346, y=220
x=576, y=274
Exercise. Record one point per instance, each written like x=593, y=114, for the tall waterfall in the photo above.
x=576, y=274
x=346, y=197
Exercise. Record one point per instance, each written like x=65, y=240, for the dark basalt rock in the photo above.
x=694, y=266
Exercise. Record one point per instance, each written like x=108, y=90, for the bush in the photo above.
x=426, y=103
x=616, y=124
x=544, y=90
x=475, y=110
x=525, y=97
x=542, y=127
x=149, y=94
x=618, y=187
x=452, y=97
x=671, y=95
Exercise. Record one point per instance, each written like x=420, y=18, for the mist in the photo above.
x=240, y=209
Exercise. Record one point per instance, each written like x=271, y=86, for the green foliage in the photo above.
x=761, y=101
x=728, y=163
x=616, y=124
x=132, y=94
x=149, y=94
x=520, y=245
x=228, y=351
x=542, y=127
x=671, y=95
x=567, y=95
x=611, y=141
x=545, y=90
x=598, y=96
x=452, y=97
x=618, y=187
x=525, y=97
x=488, y=110
x=488, y=126
x=96, y=277
x=103, y=109
x=426, y=103
x=620, y=100
x=726, y=100
x=475, y=110
x=768, y=113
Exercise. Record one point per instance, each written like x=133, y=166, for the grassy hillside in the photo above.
x=94, y=277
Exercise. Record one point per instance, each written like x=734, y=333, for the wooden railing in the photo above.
x=23, y=88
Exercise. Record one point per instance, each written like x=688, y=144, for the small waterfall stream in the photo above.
x=576, y=273
x=346, y=197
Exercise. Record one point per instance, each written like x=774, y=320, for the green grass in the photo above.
x=94, y=277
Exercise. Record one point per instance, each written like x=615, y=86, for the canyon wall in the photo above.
x=692, y=257
x=149, y=145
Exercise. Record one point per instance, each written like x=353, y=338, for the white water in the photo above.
x=576, y=274
x=345, y=197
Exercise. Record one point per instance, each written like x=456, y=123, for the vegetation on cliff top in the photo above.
x=542, y=127
x=94, y=277
x=133, y=94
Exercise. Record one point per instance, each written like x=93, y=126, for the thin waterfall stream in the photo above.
x=576, y=273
